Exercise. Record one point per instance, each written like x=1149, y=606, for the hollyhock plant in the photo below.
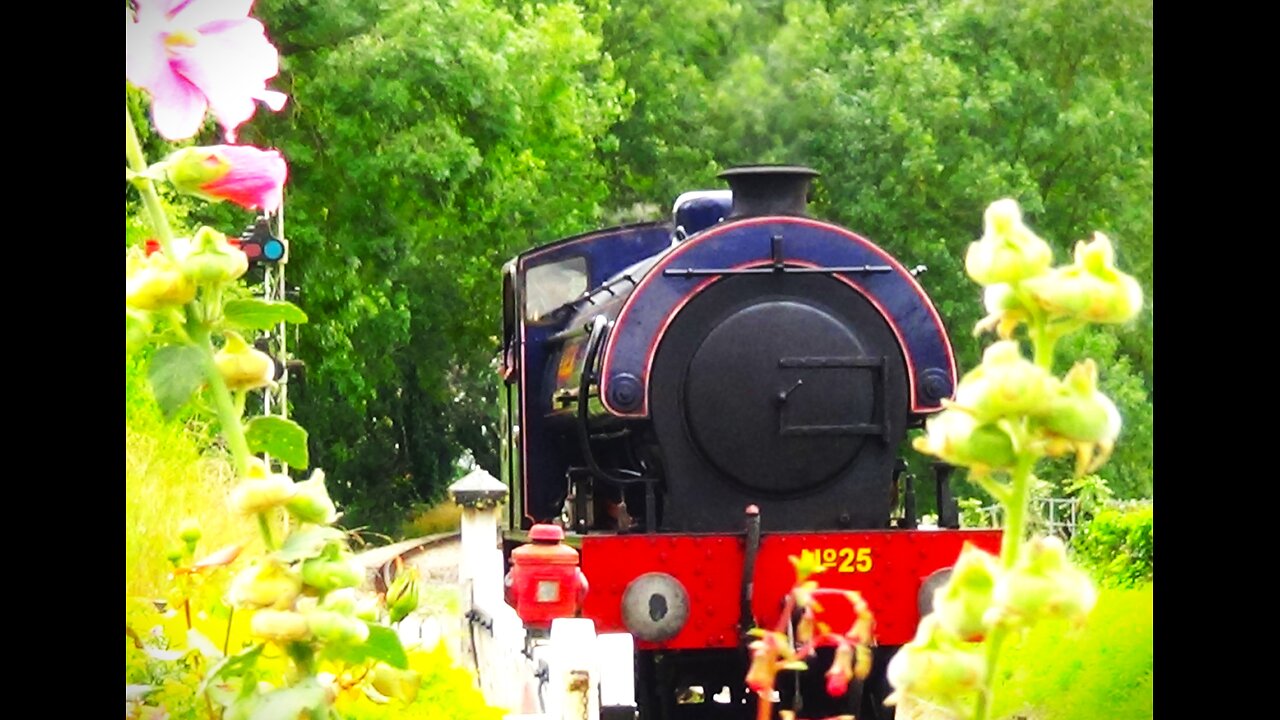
x=186, y=297
x=198, y=55
x=247, y=176
x=1008, y=414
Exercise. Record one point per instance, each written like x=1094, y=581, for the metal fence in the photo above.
x=1051, y=515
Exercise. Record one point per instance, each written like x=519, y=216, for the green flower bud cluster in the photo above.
x=1012, y=262
x=945, y=663
x=307, y=590
x=1068, y=415
x=311, y=598
x=154, y=280
x=1044, y=584
x=1008, y=250
x=938, y=667
x=262, y=490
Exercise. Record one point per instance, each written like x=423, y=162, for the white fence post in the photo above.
x=493, y=636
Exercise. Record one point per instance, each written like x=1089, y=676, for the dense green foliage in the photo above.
x=1119, y=545
x=1106, y=669
x=431, y=140
x=428, y=142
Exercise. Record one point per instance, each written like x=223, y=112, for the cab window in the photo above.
x=547, y=287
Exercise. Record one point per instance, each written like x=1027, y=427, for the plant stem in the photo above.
x=226, y=639
x=1043, y=340
x=225, y=407
x=232, y=430
x=150, y=198
x=764, y=707
x=1016, y=509
x=1010, y=545
x=265, y=527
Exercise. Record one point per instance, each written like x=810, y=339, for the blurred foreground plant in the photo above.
x=309, y=635
x=781, y=649
x=1008, y=414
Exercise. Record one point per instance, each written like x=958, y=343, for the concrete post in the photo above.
x=494, y=637
x=480, y=495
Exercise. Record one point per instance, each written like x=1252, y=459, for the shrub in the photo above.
x=444, y=517
x=1117, y=545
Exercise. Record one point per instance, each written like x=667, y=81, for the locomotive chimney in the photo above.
x=769, y=190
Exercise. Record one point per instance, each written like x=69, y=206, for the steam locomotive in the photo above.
x=661, y=378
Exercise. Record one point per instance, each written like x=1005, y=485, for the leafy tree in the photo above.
x=429, y=142
x=920, y=113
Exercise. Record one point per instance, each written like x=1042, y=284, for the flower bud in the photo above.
x=245, y=175
x=326, y=573
x=335, y=627
x=955, y=436
x=213, y=260
x=155, y=282
x=400, y=684
x=402, y=596
x=771, y=653
x=255, y=495
x=1080, y=417
x=1078, y=411
x=1043, y=584
x=243, y=367
x=936, y=667
x=189, y=531
x=960, y=604
x=279, y=625
x=342, y=601
x=1008, y=250
x=264, y=584
x=311, y=502
x=175, y=555
x=1091, y=289
x=841, y=671
x=1004, y=385
x=1004, y=311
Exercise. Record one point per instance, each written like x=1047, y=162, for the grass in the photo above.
x=167, y=480
x=444, y=517
x=1104, y=670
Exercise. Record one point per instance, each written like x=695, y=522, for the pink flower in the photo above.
x=245, y=175
x=195, y=55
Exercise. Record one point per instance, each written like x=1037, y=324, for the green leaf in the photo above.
x=307, y=542
x=383, y=645
x=288, y=703
x=232, y=666
x=278, y=437
x=254, y=314
x=175, y=374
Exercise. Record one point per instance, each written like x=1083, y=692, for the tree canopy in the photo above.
x=431, y=140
